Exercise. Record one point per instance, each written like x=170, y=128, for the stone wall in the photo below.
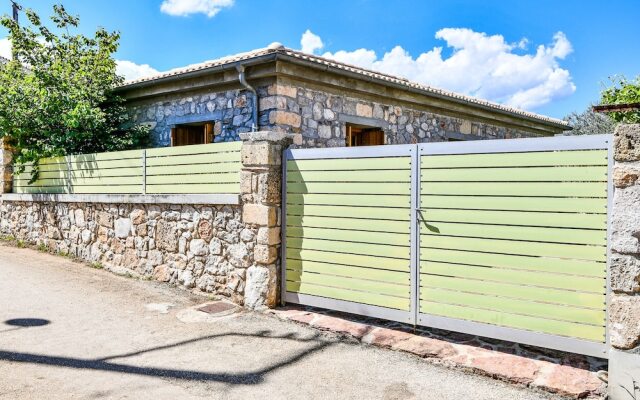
x=624, y=313
x=230, y=111
x=624, y=302
x=316, y=118
x=204, y=247
x=320, y=117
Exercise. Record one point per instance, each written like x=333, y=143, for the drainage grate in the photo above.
x=217, y=307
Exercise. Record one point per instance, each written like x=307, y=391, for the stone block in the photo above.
x=265, y=254
x=285, y=118
x=283, y=90
x=261, y=288
x=624, y=321
x=268, y=187
x=625, y=221
x=364, y=110
x=198, y=247
x=122, y=227
x=260, y=154
x=246, y=182
x=625, y=273
x=273, y=102
x=626, y=174
x=259, y=214
x=626, y=142
x=268, y=236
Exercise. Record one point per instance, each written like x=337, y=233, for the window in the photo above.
x=195, y=133
x=361, y=135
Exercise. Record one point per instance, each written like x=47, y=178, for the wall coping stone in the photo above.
x=232, y=199
x=266, y=136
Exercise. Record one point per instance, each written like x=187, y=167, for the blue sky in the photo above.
x=497, y=54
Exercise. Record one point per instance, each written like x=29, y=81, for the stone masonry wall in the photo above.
x=203, y=247
x=624, y=312
x=315, y=117
x=318, y=119
x=230, y=111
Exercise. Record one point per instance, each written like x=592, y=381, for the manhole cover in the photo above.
x=217, y=307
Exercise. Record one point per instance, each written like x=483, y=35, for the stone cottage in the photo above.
x=322, y=102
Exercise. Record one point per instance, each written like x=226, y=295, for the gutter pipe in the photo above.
x=254, y=108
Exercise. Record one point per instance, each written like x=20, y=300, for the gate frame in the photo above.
x=414, y=316
x=411, y=150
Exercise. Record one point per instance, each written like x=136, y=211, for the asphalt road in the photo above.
x=68, y=331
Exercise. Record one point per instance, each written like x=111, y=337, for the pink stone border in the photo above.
x=539, y=374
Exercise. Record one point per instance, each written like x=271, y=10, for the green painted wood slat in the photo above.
x=523, y=218
x=350, y=164
x=516, y=277
x=545, y=295
x=373, y=225
x=524, y=159
x=349, y=247
x=349, y=295
x=512, y=306
x=545, y=264
x=356, y=260
x=383, y=275
x=376, y=200
x=362, y=285
x=397, y=214
x=350, y=176
x=553, y=204
x=398, y=239
x=529, y=174
x=552, y=189
x=527, y=233
x=516, y=247
x=570, y=329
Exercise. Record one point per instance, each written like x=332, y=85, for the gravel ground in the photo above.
x=71, y=332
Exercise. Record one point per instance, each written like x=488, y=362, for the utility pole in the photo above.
x=16, y=7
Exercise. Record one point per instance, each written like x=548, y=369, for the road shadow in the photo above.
x=316, y=341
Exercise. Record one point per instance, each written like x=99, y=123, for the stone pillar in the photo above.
x=624, y=304
x=260, y=183
x=6, y=168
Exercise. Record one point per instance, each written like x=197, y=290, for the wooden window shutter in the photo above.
x=208, y=132
x=173, y=137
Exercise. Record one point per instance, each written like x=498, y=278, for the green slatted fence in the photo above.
x=504, y=238
x=198, y=169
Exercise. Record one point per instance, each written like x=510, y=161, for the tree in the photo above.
x=56, y=94
x=623, y=91
x=589, y=122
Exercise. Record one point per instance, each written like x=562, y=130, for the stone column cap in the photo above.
x=267, y=136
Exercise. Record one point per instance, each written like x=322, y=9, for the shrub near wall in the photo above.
x=204, y=247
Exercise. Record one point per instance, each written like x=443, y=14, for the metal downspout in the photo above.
x=243, y=81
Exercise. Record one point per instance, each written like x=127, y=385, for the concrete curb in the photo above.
x=539, y=374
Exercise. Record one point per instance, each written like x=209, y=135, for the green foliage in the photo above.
x=589, y=122
x=56, y=95
x=623, y=91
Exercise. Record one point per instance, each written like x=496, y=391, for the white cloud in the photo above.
x=310, y=42
x=480, y=65
x=131, y=70
x=5, y=48
x=183, y=8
